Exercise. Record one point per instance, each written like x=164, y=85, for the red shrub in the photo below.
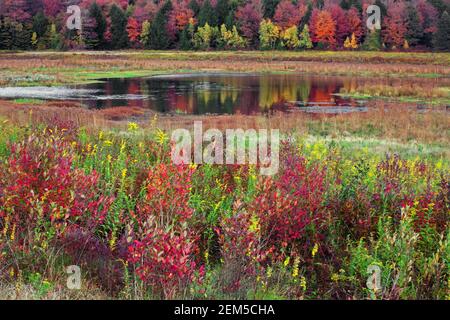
x=41, y=195
x=164, y=260
x=242, y=251
x=168, y=190
x=289, y=204
x=163, y=249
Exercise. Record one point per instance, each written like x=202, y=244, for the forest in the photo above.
x=224, y=24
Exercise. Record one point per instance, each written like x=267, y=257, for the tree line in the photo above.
x=224, y=24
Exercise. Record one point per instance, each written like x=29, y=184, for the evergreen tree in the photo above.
x=5, y=35
x=269, y=8
x=207, y=15
x=119, y=35
x=90, y=36
x=441, y=39
x=305, y=20
x=21, y=37
x=96, y=13
x=187, y=36
x=194, y=6
x=158, y=30
x=383, y=9
x=372, y=41
x=414, y=32
x=40, y=24
x=222, y=10
x=440, y=5
x=54, y=39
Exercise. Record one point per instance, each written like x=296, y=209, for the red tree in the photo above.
x=17, y=10
x=179, y=17
x=323, y=28
x=146, y=10
x=395, y=25
x=354, y=23
x=248, y=18
x=52, y=7
x=133, y=30
x=287, y=14
x=428, y=16
x=341, y=21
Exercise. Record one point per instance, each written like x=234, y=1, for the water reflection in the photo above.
x=224, y=93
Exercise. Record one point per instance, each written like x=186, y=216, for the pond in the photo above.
x=210, y=93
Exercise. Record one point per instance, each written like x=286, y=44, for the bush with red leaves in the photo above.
x=42, y=195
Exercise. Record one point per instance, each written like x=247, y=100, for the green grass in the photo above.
x=28, y=101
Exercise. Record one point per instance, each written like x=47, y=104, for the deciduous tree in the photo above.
x=323, y=28
x=248, y=18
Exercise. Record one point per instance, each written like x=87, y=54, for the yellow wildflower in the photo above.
x=161, y=136
x=303, y=283
x=13, y=233
x=269, y=272
x=295, y=269
x=314, y=250
x=133, y=126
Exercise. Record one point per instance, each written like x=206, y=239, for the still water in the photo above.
x=201, y=93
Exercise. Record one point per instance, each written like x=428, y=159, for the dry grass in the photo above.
x=383, y=120
x=62, y=68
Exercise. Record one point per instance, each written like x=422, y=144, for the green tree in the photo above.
x=270, y=7
x=5, y=35
x=21, y=37
x=222, y=9
x=96, y=13
x=54, y=39
x=441, y=39
x=194, y=6
x=187, y=36
x=40, y=24
x=207, y=15
x=305, y=39
x=305, y=19
x=119, y=35
x=159, y=39
x=372, y=41
x=414, y=31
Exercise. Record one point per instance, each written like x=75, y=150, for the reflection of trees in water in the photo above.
x=222, y=94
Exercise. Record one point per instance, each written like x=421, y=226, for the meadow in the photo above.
x=98, y=189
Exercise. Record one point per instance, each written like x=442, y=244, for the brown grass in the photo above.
x=76, y=67
x=383, y=120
